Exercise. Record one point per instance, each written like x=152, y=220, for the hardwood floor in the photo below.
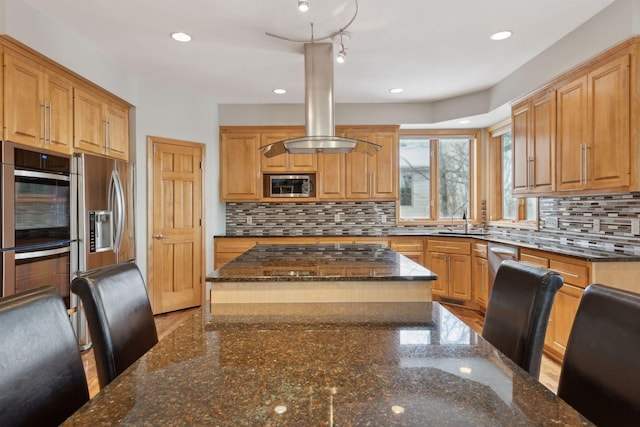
x=549, y=368
x=166, y=323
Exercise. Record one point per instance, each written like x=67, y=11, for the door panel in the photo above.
x=177, y=272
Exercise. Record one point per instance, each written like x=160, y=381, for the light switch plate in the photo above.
x=635, y=226
x=596, y=225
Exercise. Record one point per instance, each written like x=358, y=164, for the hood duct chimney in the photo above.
x=319, y=111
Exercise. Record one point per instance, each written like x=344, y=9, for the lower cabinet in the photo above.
x=450, y=259
x=576, y=275
x=480, y=275
x=411, y=247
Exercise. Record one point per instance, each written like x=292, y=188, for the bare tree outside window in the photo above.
x=453, y=176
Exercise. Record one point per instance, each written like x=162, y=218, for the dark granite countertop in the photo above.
x=377, y=364
x=561, y=246
x=282, y=263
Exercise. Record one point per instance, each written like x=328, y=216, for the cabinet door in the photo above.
x=117, y=144
x=571, y=128
x=480, y=275
x=384, y=167
x=276, y=163
x=59, y=96
x=564, y=310
x=88, y=122
x=608, y=155
x=460, y=277
x=239, y=167
x=23, y=102
x=330, y=181
x=439, y=264
x=359, y=174
x=521, y=135
x=543, y=143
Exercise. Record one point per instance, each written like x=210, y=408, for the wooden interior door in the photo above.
x=176, y=273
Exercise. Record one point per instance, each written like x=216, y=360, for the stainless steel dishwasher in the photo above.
x=498, y=253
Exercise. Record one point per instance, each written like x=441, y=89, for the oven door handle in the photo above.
x=44, y=175
x=42, y=253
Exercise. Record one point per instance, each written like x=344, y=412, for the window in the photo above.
x=435, y=177
x=503, y=207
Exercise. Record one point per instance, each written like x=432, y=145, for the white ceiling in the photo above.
x=433, y=49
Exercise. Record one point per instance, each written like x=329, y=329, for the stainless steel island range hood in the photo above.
x=319, y=110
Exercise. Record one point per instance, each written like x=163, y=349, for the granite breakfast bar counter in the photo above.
x=320, y=274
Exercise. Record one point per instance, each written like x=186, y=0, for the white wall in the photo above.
x=160, y=111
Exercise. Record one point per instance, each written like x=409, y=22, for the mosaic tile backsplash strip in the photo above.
x=596, y=222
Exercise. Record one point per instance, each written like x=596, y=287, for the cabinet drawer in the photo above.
x=479, y=250
x=449, y=247
x=239, y=245
x=534, y=260
x=407, y=245
x=573, y=274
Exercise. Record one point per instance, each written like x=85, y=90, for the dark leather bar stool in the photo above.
x=600, y=374
x=42, y=379
x=119, y=316
x=518, y=312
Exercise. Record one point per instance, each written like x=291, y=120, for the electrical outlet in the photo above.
x=383, y=219
x=551, y=223
x=596, y=225
x=336, y=217
x=249, y=220
x=635, y=226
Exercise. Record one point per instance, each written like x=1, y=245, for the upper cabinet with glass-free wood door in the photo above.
x=101, y=125
x=534, y=136
x=239, y=165
x=593, y=128
x=38, y=105
x=373, y=177
x=286, y=162
x=587, y=121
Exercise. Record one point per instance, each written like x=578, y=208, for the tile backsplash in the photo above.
x=594, y=221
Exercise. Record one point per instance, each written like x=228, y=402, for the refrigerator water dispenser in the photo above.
x=100, y=231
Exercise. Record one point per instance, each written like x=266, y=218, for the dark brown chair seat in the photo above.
x=119, y=316
x=600, y=374
x=42, y=379
x=518, y=312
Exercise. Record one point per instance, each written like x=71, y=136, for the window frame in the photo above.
x=494, y=184
x=435, y=135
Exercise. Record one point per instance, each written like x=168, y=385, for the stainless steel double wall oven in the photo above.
x=37, y=225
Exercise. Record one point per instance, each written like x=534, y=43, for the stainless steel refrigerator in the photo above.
x=104, y=207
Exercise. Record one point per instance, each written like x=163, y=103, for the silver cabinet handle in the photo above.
x=160, y=236
x=44, y=123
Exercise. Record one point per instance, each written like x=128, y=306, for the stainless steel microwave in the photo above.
x=291, y=186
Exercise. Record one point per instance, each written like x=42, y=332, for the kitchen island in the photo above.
x=343, y=364
x=320, y=274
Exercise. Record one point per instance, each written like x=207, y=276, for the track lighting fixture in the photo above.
x=303, y=5
x=342, y=53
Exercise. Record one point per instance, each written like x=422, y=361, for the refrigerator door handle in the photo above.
x=117, y=198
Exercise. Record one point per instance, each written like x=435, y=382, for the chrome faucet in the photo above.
x=464, y=217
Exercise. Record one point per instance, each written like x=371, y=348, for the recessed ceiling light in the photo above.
x=396, y=90
x=464, y=122
x=501, y=35
x=280, y=91
x=181, y=37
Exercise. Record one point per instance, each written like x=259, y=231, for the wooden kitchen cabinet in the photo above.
x=330, y=180
x=593, y=128
x=450, y=259
x=101, y=125
x=38, y=105
x=373, y=177
x=239, y=166
x=480, y=274
x=285, y=163
x=410, y=246
x=576, y=275
x=534, y=135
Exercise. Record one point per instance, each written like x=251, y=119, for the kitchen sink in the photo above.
x=462, y=233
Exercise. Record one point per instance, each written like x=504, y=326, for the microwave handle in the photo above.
x=43, y=253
